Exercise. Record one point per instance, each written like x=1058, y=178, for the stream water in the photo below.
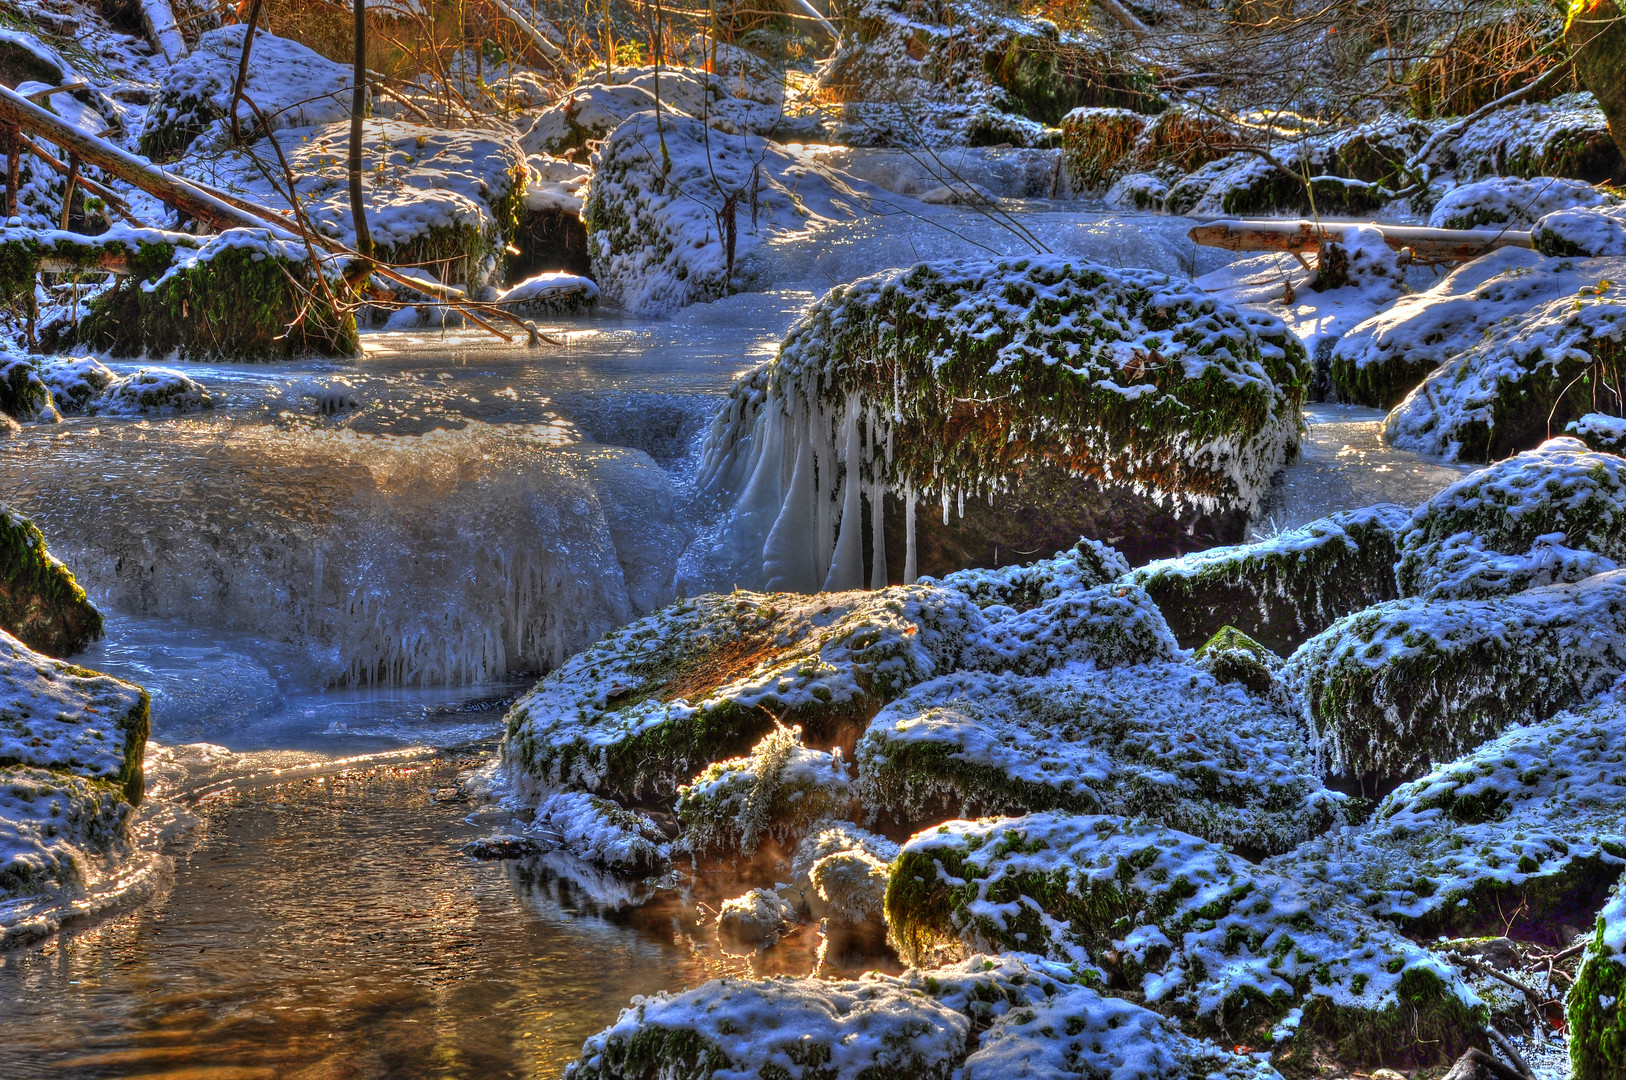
x=353, y=559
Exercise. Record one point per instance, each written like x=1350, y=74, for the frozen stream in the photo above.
x=349, y=559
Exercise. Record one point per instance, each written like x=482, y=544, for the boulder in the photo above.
x=1532, y=519
x=917, y=1026
x=1162, y=741
x=40, y=602
x=1231, y=656
x=1094, y=141
x=1511, y=202
x=1595, y=31
x=779, y=791
x=66, y=719
x=1529, y=826
x=1392, y=689
x=1104, y=627
x=1088, y=564
x=1567, y=136
x=1225, y=947
x=55, y=828
x=1071, y=398
x=293, y=87
x=1548, y=360
x=1584, y=232
x=1284, y=590
x=651, y=704
x=1593, y=1007
x=23, y=394
x=588, y=112
x=755, y=919
x=841, y=872
x=1600, y=432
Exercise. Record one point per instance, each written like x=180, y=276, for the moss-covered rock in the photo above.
x=292, y=85
x=779, y=791
x=243, y=295
x=950, y=383
x=66, y=719
x=1511, y=202
x=1231, y=656
x=1567, y=136
x=1163, y=741
x=602, y=832
x=653, y=703
x=1530, y=826
x=1033, y=1019
x=1583, y=232
x=1086, y=565
x=1398, y=686
x=40, y=602
x=948, y=50
x=1549, y=358
x=1600, y=432
x=1596, y=1005
x=1284, y=590
x=1094, y=141
x=1108, y=626
x=1521, y=523
x=1224, y=946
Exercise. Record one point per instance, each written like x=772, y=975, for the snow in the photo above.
x=1532, y=806
x=556, y=184
x=1600, y=430
x=53, y=827
x=1086, y=565
x=591, y=111
x=779, y=790
x=842, y=871
x=1199, y=931
x=54, y=716
x=1511, y=202
x=1163, y=741
x=601, y=832
x=757, y=917
x=1524, y=140
x=1106, y=626
x=548, y=292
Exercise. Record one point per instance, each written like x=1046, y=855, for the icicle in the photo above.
x=847, y=564
x=823, y=489
x=788, y=556
x=909, y=564
x=959, y=493
x=945, y=505
x=877, y=528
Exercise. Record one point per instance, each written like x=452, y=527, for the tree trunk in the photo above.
x=358, y=109
x=1596, y=36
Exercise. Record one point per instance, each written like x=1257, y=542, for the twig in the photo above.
x=1505, y=1046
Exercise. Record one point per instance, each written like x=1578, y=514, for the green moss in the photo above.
x=1596, y=1005
x=1233, y=657
x=1378, y=386
x=1095, y=141
x=1282, y=591
x=40, y=602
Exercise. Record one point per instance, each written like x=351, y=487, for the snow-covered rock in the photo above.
x=666, y=198
x=1108, y=626
x=1283, y=590
x=23, y=394
x=1535, y=816
x=82, y=386
x=1596, y=1005
x=954, y=383
x=1095, y=140
x=756, y=918
x=1163, y=741
x=292, y=86
x=778, y=791
x=1086, y=565
x=589, y=112
x=1229, y=948
x=550, y=293
x=603, y=833
x=1567, y=136
x=60, y=717
x=917, y=1026
x=54, y=828
x=842, y=871
x=1508, y=390
x=40, y=602
x=1396, y=687
x=1589, y=232
x=651, y=704
x=1553, y=514
x=1511, y=202
x=1600, y=431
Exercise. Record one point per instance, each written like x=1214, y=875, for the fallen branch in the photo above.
x=1300, y=236
x=543, y=45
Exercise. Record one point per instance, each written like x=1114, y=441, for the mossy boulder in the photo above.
x=1550, y=357
x=1108, y=626
x=1094, y=141
x=40, y=602
x=1394, y=688
x=55, y=828
x=779, y=791
x=1088, y=564
x=242, y=295
x=1226, y=947
x=1596, y=1005
x=841, y=872
x=589, y=111
x=1511, y=202
x=292, y=85
x=23, y=394
x=602, y=832
x=1567, y=136
x=1600, y=431
x=1523, y=522
x=1231, y=656
x=1582, y=232
x=1045, y=385
x=991, y=1016
x=1163, y=741
x=653, y=703
x=1531, y=826
x=66, y=719
x=1281, y=591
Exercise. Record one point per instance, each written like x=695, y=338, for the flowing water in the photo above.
x=352, y=559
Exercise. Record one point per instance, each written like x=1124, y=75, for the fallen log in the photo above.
x=1302, y=236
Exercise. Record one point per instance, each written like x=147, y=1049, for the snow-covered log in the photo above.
x=1240, y=235
x=158, y=20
